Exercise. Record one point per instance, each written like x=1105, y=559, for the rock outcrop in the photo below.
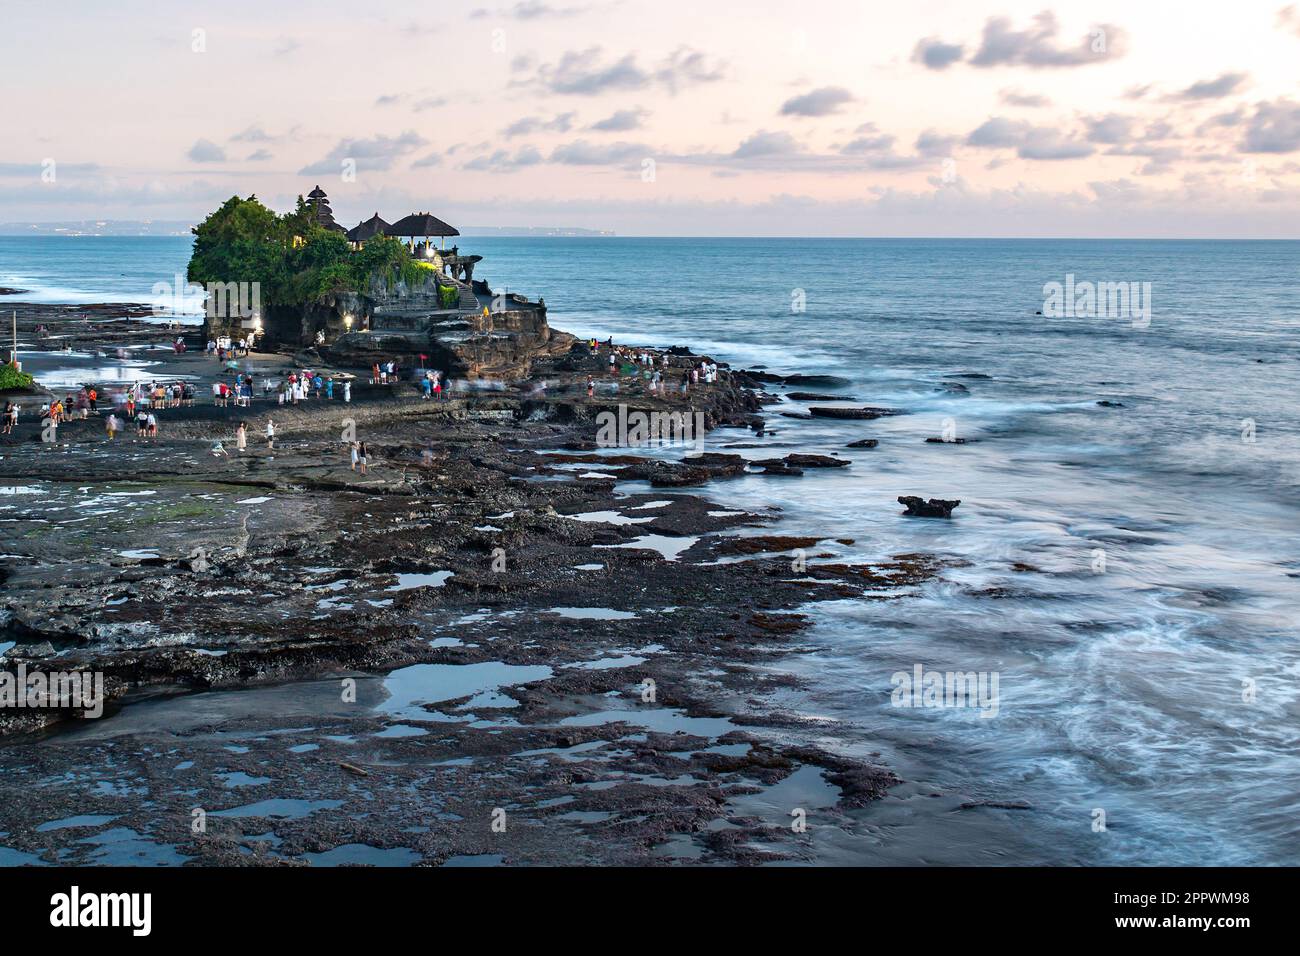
x=826, y=411
x=464, y=329
x=934, y=508
x=804, y=461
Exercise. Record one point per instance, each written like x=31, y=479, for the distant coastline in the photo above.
x=176, y=227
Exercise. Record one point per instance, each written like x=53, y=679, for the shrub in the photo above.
x=11, y=378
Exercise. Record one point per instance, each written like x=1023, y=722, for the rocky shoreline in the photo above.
x=530, y=649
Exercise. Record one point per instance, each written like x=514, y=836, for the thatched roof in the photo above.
x=374, y=226
x=421, y=224
x=316, y=193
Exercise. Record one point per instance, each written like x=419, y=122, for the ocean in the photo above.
x=1131, y=574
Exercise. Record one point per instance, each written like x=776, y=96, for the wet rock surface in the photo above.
x=817, y=397
x=829, y=411
x=934, y=508
x=478, y=652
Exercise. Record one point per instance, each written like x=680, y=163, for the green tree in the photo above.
x=242, y=241
x=295, y=260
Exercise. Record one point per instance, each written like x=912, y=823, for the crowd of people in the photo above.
x=143, y=402
x=304, y=384
x=225, y=347
x=657, y=375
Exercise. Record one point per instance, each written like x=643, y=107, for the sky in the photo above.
x=819, y=118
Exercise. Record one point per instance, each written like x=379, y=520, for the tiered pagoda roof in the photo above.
x=324, y=215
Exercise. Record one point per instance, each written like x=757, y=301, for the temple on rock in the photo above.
x=458, y=322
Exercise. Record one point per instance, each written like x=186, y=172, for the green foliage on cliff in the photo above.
x=10, y=377
x=448, y=296
x=295, y=260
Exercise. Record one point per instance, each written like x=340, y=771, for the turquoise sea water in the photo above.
x=84, y=269
x=1162, y=688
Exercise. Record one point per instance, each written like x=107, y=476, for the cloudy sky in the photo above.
x=826, y=117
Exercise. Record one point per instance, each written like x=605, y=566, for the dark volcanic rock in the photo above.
x=759, y=543
x=823, y=381
x=822, y=411
x=934, y=508
x=1107, y=403
x=805, y=461
x=692, y=471
x=770, y=378
x=863, y=443
x=816, y=461
x=817, y=397
x=758, y=376
x=945, y=441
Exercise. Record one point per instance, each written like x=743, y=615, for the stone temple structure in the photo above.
x=459, y=323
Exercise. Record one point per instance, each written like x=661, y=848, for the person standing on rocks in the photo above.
x=270, y=434
x=241, y=437
x=347, y=392
x=362, y=456
x=356, y=454
x=112, y=426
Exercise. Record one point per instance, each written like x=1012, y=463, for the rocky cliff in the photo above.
x=441, y=318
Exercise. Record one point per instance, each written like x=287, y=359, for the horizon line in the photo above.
x=610, y=234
